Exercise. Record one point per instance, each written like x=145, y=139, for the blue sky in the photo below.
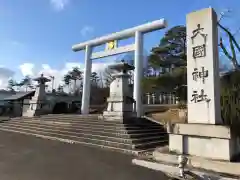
x=43, y=31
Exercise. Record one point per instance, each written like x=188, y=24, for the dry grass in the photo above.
x=162, y=114
x=170, y=115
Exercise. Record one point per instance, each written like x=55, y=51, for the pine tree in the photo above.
x=168, y=63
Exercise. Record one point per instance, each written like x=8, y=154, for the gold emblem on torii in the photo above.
x=111, y=45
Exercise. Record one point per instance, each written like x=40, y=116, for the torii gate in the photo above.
x=112, y=49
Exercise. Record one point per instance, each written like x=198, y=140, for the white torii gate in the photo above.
x=112, y=49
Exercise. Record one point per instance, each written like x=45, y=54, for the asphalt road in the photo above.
x=29, y=158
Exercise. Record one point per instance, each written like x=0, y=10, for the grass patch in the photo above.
x=170, y=115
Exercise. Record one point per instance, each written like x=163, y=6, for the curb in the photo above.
x=173, y=171
x=220, y=167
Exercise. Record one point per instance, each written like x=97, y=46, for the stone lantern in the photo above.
x=39, y=99
x=121, y=104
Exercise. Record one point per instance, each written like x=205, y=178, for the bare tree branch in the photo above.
x=222, y=14
x=232, y=48
x=232, y=41
x=225, y=50
x=230, y=36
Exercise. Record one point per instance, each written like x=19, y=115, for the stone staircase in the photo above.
x=135, y=137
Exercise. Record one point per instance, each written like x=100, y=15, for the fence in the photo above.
x=160, y=98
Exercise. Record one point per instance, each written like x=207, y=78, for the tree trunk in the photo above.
x=52, y=84
x=75, y=85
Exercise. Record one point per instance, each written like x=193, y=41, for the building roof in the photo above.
x=4, y=94
x=18, y=95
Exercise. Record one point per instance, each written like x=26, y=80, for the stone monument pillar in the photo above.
x=160, y=98
x=173, y=99
x=120, y=102
x=39, y=99
x=164, y=98
x=148, y=98
x=170, y=98
x=204, y=135
x=153, y=98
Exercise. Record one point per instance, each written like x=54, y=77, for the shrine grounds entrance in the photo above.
x=113, y=49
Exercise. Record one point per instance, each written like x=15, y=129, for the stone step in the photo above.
x=94, y=125
x=85, y=115
x=61, y=116
x=70, y=117
x=93, y=136
x=107, y=123
x=77, y=118
x=126, y=151
x=139, y=122
x=121, y=145
x=52, y=116
x=94, y=130
x=95, y=120
x=4, y=118
x=101, y=122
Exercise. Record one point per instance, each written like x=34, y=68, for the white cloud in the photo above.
x=47, y=70
x=59, y=5
x=86, y=30
x=27, y=69
x=30, y=69
x=34, y=70
x=58, y=74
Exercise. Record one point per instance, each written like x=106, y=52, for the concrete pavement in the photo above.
x=25, y=157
